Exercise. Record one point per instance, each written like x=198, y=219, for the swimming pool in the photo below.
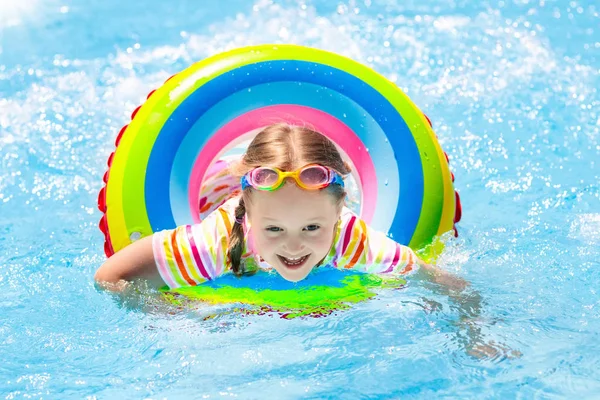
x=511, y=88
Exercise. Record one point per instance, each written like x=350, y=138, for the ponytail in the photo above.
x=236, y=242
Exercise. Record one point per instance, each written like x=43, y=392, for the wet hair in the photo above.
x=288, y=148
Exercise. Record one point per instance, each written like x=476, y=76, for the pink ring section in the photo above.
x=318, y=120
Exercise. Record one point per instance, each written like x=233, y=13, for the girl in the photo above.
x=290, y=217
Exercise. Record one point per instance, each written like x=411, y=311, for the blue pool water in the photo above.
x=512, y=90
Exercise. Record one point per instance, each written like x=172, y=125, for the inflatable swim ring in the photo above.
x=174, y=140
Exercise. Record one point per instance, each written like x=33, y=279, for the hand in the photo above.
x=492, y=351
x=478, y=348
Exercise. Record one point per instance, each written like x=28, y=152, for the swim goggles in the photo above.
x=309, y=177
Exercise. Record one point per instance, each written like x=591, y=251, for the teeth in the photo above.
x=294, y=261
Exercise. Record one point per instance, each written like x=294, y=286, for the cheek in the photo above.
x=265, y=241
x=322, y=240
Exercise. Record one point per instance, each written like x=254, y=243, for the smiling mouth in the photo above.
x=293, y=263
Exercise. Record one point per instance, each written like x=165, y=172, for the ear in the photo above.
x=340, y=207
x=248, y=216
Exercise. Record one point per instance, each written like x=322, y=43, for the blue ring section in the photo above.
x=196, y=104
x=305, y=94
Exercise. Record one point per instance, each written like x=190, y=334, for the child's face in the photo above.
x=293, y=228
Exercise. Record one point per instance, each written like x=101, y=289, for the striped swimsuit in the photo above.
x=192, y=254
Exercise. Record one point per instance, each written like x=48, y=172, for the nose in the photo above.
x=294, y=245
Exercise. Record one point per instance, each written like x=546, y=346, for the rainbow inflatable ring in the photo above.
x=156, y=172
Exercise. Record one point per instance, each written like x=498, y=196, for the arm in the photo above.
x=383, y=255
x=135, y=261
x=469, y=302
x=453, y=287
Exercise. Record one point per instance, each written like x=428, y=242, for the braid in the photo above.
x=236, y=242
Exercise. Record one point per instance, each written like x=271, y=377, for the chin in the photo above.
x=294, y=277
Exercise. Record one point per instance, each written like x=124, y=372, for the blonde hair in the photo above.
x=288, y=148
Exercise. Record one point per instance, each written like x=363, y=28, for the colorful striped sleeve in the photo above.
x=192, y=254
x=359, y=247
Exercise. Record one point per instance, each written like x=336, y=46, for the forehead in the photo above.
x=291, y=202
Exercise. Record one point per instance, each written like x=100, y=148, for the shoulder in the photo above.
x=191, y=254
x=358, y=246
x=350, y=241
x=351, y=225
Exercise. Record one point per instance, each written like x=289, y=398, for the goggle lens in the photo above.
x=264, y=177
x=314, y=176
